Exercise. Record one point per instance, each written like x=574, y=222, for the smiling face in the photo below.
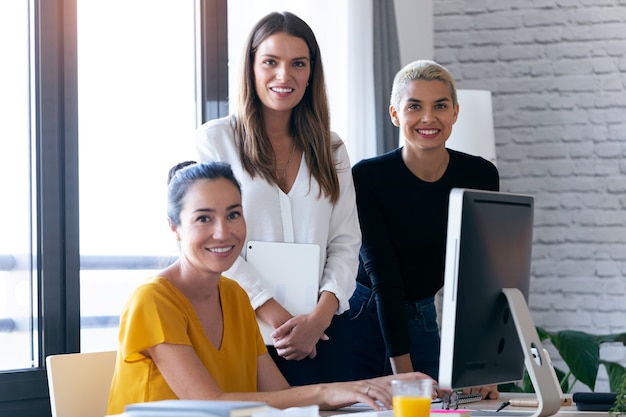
x=425, y=114
x=282, y=69
x=212, y=229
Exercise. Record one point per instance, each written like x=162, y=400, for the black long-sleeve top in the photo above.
x=404, y=223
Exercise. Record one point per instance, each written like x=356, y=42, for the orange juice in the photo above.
x=406, y=406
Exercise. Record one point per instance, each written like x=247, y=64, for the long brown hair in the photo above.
x=310, y=119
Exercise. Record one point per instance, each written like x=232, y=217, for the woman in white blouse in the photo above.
x=297, y=187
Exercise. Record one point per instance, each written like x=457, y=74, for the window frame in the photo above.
x=54, y=144
x=54, y=169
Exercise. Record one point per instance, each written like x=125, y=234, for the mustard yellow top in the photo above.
x=157, y=312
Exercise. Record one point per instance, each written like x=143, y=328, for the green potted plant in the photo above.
x=581, y=353
x=620, y=401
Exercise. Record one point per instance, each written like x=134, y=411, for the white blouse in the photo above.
x=299, y=216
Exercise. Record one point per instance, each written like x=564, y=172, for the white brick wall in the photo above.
x=557, y=72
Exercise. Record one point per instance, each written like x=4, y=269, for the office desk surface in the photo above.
x=568, y=411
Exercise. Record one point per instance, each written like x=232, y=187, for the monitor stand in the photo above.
x=536, y=359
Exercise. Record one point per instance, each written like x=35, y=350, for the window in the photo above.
x=42, y=266
x=136, y=95
x=108, y=91
x=16, y=295
x=40, y=185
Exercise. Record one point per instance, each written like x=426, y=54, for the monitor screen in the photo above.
x=488, y=248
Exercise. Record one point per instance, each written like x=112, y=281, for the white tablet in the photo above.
x=291, y=271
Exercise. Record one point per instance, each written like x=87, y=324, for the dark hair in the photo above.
x=177, y=168
x=310, y=119
x=183, y=175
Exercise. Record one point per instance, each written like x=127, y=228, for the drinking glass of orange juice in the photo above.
x=411, y=398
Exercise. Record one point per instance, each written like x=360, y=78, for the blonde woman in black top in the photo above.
x=402, y=201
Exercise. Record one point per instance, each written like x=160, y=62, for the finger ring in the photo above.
x=367, y=390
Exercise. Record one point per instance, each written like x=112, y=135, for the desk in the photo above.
x=568, y=411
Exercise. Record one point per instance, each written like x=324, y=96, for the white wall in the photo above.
x=415, y=27
x=558, y=79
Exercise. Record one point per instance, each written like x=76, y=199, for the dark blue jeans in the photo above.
x=369, y=357
x=331, y=363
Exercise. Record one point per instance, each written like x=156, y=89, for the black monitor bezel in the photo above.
x=479, y=340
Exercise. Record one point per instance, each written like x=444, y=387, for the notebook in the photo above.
x=291, y=271
x=188, y=408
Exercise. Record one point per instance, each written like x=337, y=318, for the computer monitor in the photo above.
x=487, y=334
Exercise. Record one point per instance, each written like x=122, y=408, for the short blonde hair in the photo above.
x=421, y=70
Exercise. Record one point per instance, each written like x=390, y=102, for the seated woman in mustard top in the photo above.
x=191, y=333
